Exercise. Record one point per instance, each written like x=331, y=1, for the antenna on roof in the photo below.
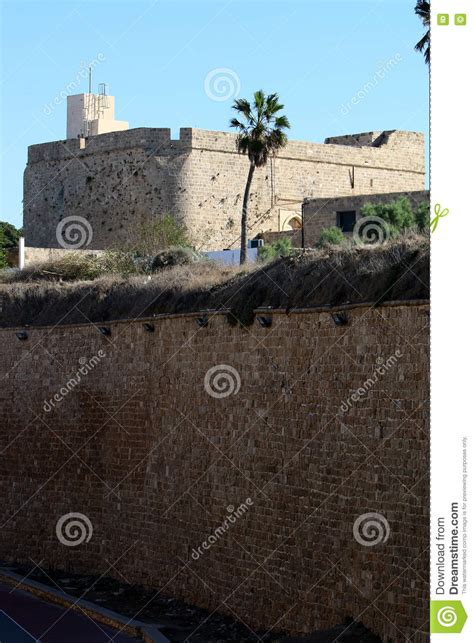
x=90, y=79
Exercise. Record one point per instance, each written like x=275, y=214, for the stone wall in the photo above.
x=157, y=463
x=122, y=180
x=42, y=255
x=293, y=235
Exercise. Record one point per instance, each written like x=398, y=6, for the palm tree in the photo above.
x=422, y=10
x=260, y=134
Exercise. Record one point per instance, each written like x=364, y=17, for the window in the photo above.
x=346, y=220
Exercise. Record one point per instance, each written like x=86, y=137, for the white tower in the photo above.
x=91, y=114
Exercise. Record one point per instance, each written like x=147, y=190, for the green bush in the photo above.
x=398, y=214
x=280, y=248
x=3, y=259
x=422, y=216
x=9, y=235
x=266, y=253
x=283, y=247
x=333, y=236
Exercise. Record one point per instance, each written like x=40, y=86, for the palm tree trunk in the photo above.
x=243, y=230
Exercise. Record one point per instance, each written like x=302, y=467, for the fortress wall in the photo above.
x=301, y=170
x=157, y=464
x=146, y=137
x=401, y=150
x=117, y=192
x=123, y=179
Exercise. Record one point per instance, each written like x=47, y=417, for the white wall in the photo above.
x=232, y=257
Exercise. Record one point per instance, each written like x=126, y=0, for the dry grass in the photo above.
x=67, y=268
x=328, y=277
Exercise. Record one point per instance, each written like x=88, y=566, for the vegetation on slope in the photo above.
x=330, y=276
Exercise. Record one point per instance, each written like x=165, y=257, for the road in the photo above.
x=27, y=619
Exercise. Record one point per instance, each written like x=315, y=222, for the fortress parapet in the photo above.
x=121, y=180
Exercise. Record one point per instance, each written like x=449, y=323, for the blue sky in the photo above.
x=156, y=56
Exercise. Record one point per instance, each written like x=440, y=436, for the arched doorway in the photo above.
x=293, y=222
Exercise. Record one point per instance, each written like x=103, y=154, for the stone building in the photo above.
x=118, y=182
x=341, y=212
x=344, y=212
x=92, y=114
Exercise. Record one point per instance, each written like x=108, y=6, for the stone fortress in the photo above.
x=119, y=179
x=156, y=490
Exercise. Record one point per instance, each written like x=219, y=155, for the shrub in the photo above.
x=422, y=216
x=333, y=236
x=280, y=248
x=9, y=235
x=398, y=214
x=266, y=253
x=283, y=247
x=3, y=259
x=163, y=233
x=175, y=257
x=124, y=263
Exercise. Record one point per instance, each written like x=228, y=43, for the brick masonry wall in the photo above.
x=294, y=235
x=122, y=180
x=156, y=463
